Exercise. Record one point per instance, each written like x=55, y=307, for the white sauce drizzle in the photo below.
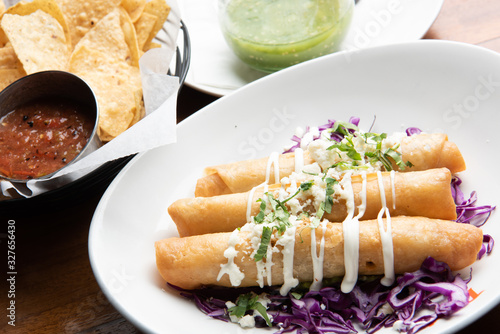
x=350, y=228
x=299, y=160
x=264, y=267
x=393, y=187
x=350, y=231
x=272, y=161
x=230, y=268
x=288, y=243
x=250, y=202
x=318, y=260
x=362, y=206
x=385, y=236
x=260, y=272
x=269, y=264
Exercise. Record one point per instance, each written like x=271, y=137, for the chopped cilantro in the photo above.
x=330, y=182
x=327, y=204
x=343, y=127
x=265, y=240
x=259, y=218
x=348, y=148
x=248, y=302
x=387, y=156
x=306, y=185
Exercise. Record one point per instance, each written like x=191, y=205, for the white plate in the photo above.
x=434, y=85
x=216, y=70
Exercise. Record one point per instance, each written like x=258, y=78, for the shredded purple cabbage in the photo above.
x=371, y=306
x=413, y=131
x=336, y=136
x=469, y=213
x=331, y=311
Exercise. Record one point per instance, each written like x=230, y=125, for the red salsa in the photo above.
x=41, y=137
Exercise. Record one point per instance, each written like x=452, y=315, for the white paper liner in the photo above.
x=157, y=128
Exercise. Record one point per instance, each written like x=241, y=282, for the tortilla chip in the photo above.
x=143, y=27
x=107, y=37
x=48, y=6
x=115, y=84
x=140, y=110
x=3, y=38
x=38, y=40
x=130, y=37
x=82, y=16
x=9, y=75
x=134, y=8
x=8, y=58
x=114, y=35
x=152, y=45
x=160, y=9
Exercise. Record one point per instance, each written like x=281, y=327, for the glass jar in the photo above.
x=270, y=35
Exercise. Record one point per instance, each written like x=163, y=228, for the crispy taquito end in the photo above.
x=424, y=151
x=242, y=176
x=194, y=262
x=223, y=213
x=433, y=150
x=424, y=193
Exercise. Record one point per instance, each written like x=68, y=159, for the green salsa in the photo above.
x=270, y=35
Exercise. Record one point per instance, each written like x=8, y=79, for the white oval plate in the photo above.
x=216, y=70
x=434, y=85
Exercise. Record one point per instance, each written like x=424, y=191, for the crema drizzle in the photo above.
x=350, y=227
x=288, y=243
x=386, y=234
x=272, y=161
x=230, y=268
x=318, y=260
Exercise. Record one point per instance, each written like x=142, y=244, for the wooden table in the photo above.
x=55, y=290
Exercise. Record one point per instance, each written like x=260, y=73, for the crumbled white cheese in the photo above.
x=398, y=326
x=299, y=132
x=313, y=168
x=233, y=318
x=308, y=137
x=394, y=140
x=318, y=151
x=318, y=191
x=385, y=309
x=247, y=321
x=326, y=158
